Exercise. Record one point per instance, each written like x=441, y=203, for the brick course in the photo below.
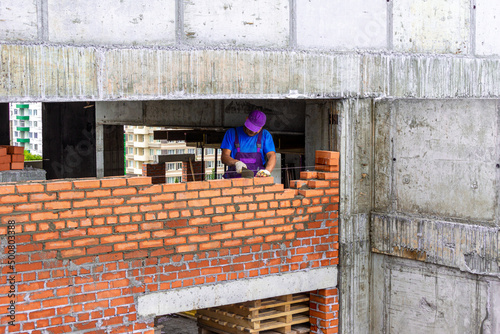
x=88, y=248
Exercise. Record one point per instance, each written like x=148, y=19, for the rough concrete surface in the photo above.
x=487, y=27
x=18, y=20
x=439, y=159
x=112, y=22
x=263, y=23
x=410, y=297
x=432, y=26
x=329, y=24
x=470, y=248
x=27, y=174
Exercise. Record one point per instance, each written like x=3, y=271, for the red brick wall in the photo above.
x=85, y=249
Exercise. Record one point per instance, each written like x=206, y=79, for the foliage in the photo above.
x=29, y=156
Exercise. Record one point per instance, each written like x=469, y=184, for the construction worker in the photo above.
x=249, y=146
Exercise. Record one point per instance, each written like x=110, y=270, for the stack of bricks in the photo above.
x=155, y=171
x=11, y=158
x=323, y=181
x=192, y=171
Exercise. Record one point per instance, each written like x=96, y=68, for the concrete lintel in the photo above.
x=192, y=298
x=469, y=247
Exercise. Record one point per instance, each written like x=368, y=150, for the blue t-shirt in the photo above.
x=247, y=143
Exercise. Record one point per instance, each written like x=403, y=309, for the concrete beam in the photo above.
x=470, y=248
x=34, y=73
x=193, y=298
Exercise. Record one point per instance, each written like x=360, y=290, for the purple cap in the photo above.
x=255, y=120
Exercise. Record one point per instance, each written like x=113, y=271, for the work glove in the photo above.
x=263, y=173
x=239, y=166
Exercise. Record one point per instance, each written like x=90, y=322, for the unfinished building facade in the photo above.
x=408, y=93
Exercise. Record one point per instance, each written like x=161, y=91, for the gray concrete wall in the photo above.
x=436, y=213
x=416, y=297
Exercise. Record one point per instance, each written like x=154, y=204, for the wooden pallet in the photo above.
x=296, y=329
x=266, y=316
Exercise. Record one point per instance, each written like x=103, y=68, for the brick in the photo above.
x=17, y=165
x=42, y=314
x=28, y=207
x=125, y=209
x=71, y=195
x=9, y=199
x=199, y=185
x=308, y=175
x=86, y=184
x=7, y=189
x=124, y=191
x=58, y=244
x=327, y=168
x=138, y=181
x=264, y=197
x=99, y=212
x=327, y=176
x=222, y=218
x=113, y=182
x=163, y=197
x=58, y=186
x=57, y=205
x=73, y=252
x=327, y=154
x=86, y=203
x=5, y=160
x=113, y=238
x=30, y=188
x=45, y=236
x=186, y=248
x=100, y=230
x=152, y=226
x=217, y=184
x=311, y=192
x=125, y=246
x=98, y=193
x=231, y=191
x=151, y=243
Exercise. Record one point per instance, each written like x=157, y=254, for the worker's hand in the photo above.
x=263, y=173
x=239, y=166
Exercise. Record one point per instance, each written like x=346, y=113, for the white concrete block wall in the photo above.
x=240, y=23
x=18, y=20
x=342, y=25
x=432, y=26
x=458, y=27
x=487, y=28
x=123, y=22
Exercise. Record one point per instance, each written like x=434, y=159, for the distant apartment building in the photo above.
x=140, y=148
x=26, y=126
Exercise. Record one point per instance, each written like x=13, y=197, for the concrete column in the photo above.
x=356, y=163
x=4, y=124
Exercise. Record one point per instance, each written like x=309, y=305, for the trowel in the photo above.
x=247, y=173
